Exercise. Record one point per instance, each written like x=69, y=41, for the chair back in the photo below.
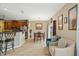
x=1, y=35
x=10, y=35
x=1, y=41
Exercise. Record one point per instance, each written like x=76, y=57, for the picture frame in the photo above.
x=72, y=17
x=65, y=20
x=60, y=22
x=38, y=26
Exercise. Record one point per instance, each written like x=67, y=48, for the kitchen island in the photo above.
x=19, y=39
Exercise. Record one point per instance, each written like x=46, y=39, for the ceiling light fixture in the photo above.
x=38, y=17
x=5, y=9
x=22, y=11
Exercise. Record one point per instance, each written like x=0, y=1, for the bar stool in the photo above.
x=1, y=42
x=9, y=38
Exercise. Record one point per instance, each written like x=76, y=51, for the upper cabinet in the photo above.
x=1, y=26
x=14, y=24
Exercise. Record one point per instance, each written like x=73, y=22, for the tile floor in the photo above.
x=29, y=48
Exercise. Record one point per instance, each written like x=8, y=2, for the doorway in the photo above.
x=54, y=27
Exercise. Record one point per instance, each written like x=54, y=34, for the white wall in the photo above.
x=77, y=41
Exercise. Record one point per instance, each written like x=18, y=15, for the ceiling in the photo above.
x=31, y=11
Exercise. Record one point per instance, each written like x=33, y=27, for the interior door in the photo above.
x=54, y=27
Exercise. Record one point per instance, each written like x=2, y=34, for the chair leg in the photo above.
x=13, y=45
x=6, y=48
x=0, y=53
x=34, y=39
x=1, y=49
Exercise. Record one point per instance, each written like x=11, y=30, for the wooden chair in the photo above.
x=9, y=38
x=39, y=36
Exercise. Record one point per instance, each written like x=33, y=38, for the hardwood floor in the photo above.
x=30, y=49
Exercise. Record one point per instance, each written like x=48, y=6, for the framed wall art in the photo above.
x=60, y=22
x=38, y=26
x=72, y=17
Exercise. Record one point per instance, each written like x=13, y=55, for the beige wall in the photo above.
x=65, y=32
x=32, y=26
